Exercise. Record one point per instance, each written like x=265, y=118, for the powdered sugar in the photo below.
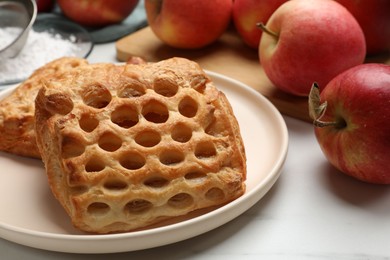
x=41, y=48
x=8, y=35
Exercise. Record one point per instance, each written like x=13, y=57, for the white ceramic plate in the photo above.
x=31, y=216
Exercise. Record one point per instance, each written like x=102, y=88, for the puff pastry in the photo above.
x=17, y=134
x=126, y=146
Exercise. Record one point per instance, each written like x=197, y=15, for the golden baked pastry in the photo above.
x=17, y=110
x=126, y=146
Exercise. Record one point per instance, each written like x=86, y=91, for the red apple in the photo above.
x=310, y=41
x=45, y=5
x=247, y=13
x=97, y=13
x=374, y=18
x=353, y=126
x=188, y=24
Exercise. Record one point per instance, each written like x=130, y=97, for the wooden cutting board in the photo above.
x=228, y=56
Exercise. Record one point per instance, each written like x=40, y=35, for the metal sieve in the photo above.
x=19, y=14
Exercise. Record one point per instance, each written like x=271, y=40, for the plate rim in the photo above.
x=26, y=237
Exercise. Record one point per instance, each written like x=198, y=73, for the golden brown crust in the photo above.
x=17, y=110
x=133, y=144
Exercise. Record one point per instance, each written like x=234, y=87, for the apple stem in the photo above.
x=266, y=30
x=319, y=123
x=317, y=109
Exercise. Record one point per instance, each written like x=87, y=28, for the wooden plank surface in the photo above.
x=228, y=56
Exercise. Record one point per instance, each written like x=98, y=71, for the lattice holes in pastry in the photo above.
x=126, y=146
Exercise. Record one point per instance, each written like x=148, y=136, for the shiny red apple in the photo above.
x=374, y=18
x=352, y=119
x=97, y=13
x=189, y=24
x=307, y=41
x=247, y=13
